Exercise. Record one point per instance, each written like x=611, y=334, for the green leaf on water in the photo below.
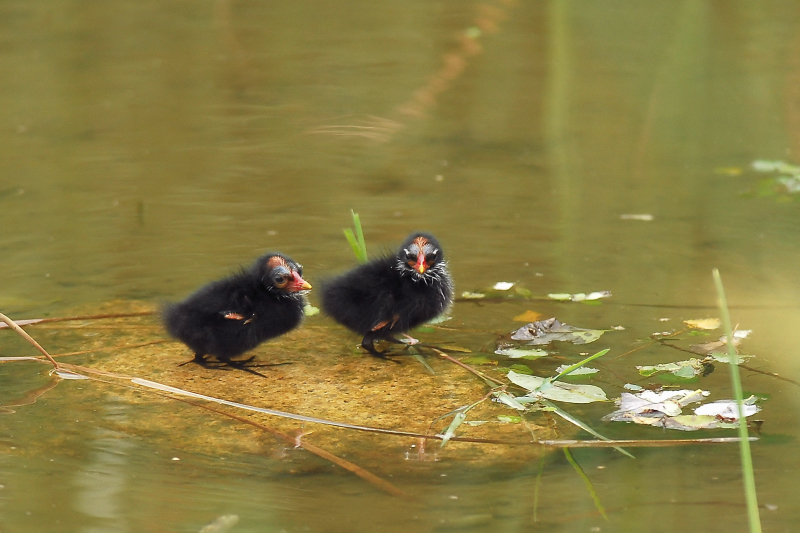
x=521, y=369
x=472, y=295
x=682, y=369
x=547, y=331
x=556, y=390
x=507, y=399
x=521, y=353
x=509, y=419
x=310, y=310
x=583, y=371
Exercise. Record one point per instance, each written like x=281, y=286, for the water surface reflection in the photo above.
x=150, y=147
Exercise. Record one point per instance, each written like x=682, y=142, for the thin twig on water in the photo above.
x=13, y=325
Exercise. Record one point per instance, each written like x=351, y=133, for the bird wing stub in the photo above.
x=230, y=315
x=383, y=323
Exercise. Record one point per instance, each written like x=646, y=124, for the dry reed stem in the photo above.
x=13, y=325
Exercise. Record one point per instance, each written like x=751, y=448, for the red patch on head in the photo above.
x=420, y=243
x=276, y=261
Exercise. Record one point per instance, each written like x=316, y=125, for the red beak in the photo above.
x=299, y=283
x=421, y=266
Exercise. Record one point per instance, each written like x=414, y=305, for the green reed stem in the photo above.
x=356, y=239
x=744, y=441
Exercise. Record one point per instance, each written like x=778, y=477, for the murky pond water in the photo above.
x=149, y=147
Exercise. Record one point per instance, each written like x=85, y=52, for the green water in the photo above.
x=148, y=147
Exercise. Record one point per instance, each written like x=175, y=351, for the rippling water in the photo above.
x=148, y=147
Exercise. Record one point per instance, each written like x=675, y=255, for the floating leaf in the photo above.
x=725, y=358
x=664, y=409
x=645, y=217
x=503, y=285
x=657, y=403
x=472, y=295
x=547, y=331
x=509, y=419
x=528, y=316
x=692, y=422
x=704, y=323
x=790, y=183
x=580, y=297
x=556, y=390
x=521, y=353
x=684, y=369
x=221, y=525
x=708, y=347
x=525, y=293
x=584, y=370
x=310, y=310
x=521, y=369
x=762, y=165
x=507, y=399
x=572, y=368
x=727, y=409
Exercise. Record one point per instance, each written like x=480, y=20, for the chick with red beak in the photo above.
x=228, y=317
x=391, y=295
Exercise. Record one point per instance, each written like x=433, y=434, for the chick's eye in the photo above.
x=411, y=259
x=279, y=280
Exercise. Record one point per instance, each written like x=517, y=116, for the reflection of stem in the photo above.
x=13, y=325
x=589, y=486
x=29, y=397
x=113, y=348
x=316, y=450
x=487, y=20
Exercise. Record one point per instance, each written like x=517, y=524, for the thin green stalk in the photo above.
x=579, y=364
x=744, y=442
x=356, y=239
x=588, y=483
x=569, y=418
x=536, y=489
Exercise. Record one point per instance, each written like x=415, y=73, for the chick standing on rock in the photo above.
x=233, y=315
x=391, y=295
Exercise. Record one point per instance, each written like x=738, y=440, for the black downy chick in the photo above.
x=391, y=295
x=233, y=315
